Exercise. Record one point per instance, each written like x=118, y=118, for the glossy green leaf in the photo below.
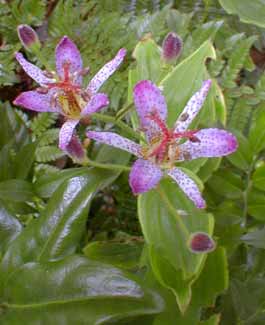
x=47, y=184
x=166, y=236
x=125, y=255
x=75, y=290
x=248, y=12
x=10, y=227
x=214, y=320
x=16, y=190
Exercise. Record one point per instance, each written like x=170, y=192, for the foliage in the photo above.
x=76, y=246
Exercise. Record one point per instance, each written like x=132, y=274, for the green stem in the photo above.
x=120, y=124
x=246, y=192
x=106, y=166
x=122, y=112
x=173, y=211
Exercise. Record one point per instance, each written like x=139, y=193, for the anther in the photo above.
x=42, y=90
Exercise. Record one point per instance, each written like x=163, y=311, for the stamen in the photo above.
x=187, y=134
x=85, y=95
x=42, y=90
x=49, y=74
x=154, y=116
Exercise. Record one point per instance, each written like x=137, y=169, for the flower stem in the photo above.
x=120, y=124
x=173, y=211
x=106, y=166
x=122, y=112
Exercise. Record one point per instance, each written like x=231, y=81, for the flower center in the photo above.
x=163, y=146
x=68, y=93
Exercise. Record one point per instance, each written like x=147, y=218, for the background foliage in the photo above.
x=76, y=246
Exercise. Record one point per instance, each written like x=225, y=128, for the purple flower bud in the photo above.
x=171, y=47
x=28, y=37
x=201, y=242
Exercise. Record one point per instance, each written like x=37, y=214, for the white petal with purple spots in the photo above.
x=106, y=71
x=212, y=143
x=188, y=186
x=34, y=101
x=67, y=52
x=116, y=141
x=33, y=71
x=192, y=108
x=66, y=133
x=144, y=176
x=149, y=100
x=97, y=102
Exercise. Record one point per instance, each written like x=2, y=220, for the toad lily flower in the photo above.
x=165, y=146
x=62, y=92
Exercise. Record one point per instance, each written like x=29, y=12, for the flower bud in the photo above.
x=28, y=37
x=171, y=47
x=201, y=242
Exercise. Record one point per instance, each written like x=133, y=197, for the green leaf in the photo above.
x=10, y=227
x=255, y=238
x=257, y=132
x=242, y=158
x=24, y=160
x=248, y=12
x=180, y=84
x=214, y=320
x=213, y=279
x=256, y=205
x=75, y=290
x=124, y=255
x=226, y=183
x=167, y=238
x=259, y=178
x=16, y=190
x=47, y=184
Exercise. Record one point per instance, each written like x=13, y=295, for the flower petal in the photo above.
x=36, y=102
x=33, y=71
x=212, y=143
x=193, y=107
x=66, y=133
x=116, y=141
x=144, y=176
x=106, y=71
x=76, y=150
x=67, y=52
x=97, y=102
x=188, y=186
x=149, y=100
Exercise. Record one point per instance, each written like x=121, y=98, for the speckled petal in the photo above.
x=34, y=101
x=106, y=71
x=116, y=141
x=33, y=71
x=97, y=102
x=193, y=107
x=144, y=176
x=212, y=143
x=75, y=149
x=148, y=100
x=66, y=133
x=188, y=186
x=67, y=52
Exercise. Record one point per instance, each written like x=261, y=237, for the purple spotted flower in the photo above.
x=165, y=146
x=62, y=92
